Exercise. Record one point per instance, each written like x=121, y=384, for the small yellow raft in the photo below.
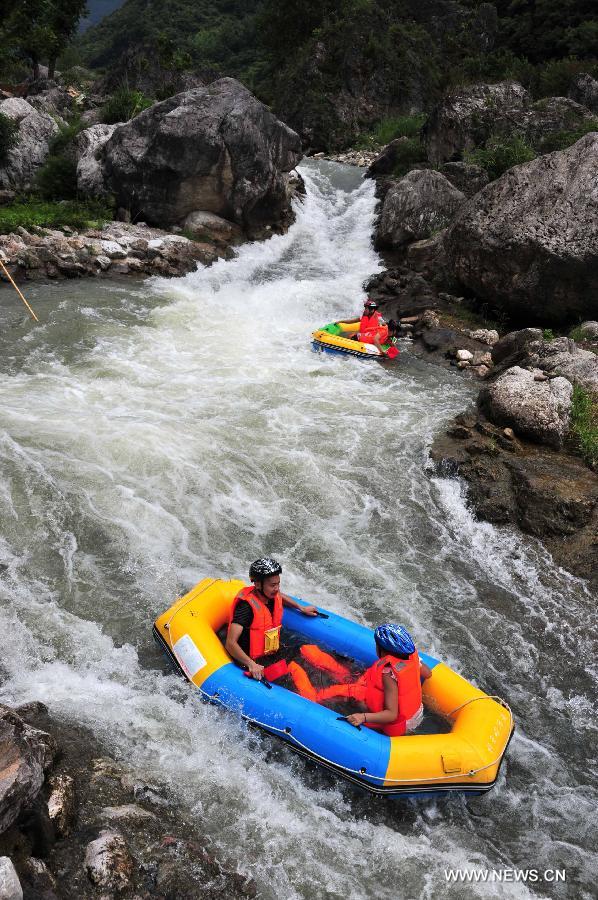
x=465, y=759
x=331, y=339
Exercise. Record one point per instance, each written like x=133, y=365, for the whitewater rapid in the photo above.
x=153, y=434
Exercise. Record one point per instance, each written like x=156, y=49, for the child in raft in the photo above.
x=390, y=689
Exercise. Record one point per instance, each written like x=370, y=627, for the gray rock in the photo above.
x=466, y=118
x=584, y=90
x=215, y=148
x=130, y=812
x=208, y=226
x=386, y=160
x=536, y=410
x=564, y=357
x=31, y=151
x=485, y=335
x=62, y=803
x=589, y=330
x=465, y=177
x=10, y=886
x=421, y=203
x=108, y=861
x=88, y=145
x=113, y=250
x=528, y=242
x=24, y=753
x=547, y=117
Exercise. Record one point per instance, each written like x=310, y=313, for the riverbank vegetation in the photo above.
x=33, y=212
x=584, y=425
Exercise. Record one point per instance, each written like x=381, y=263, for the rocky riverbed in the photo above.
x=75, y=824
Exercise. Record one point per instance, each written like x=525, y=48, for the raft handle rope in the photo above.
x=179, y=608
x=288, y=734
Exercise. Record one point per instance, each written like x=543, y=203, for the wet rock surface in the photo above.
x=549, y=494
x=109, y=834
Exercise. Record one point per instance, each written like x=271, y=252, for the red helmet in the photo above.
x=371, y=304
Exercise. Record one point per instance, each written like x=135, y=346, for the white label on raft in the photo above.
x=189, y=657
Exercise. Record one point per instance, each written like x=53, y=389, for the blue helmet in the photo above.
x=394, y=639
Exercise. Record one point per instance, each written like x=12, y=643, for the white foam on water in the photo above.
x=155, y=434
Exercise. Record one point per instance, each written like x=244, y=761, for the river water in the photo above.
x=153, y=433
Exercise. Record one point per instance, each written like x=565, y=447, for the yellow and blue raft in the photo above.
x=465, y=759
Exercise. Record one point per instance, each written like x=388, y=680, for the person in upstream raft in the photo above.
x=371, y=325
x=256, y=616
x=390, y=689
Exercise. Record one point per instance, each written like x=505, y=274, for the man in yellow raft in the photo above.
x=390, y=689
x=256, y=616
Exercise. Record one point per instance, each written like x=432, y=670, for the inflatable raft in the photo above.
x=330, y=339
x=465, y=759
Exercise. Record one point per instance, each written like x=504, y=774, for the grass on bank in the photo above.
x=584, y=425
x=46, y=214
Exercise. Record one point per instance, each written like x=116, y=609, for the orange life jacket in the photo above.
x=371, y=325
x=264, y=632
x=407, y=673
x=324, y=661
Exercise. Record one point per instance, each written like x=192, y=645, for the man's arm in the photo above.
x=306, y=610
x=232, y=646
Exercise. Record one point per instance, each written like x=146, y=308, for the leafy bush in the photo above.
x=552, y=79
x=125, y=104
x=579, y=334
x=501, y=154
x=9, y=130
x=28, y=214
x=584, y=424
x=560, y=140
x=66, y=134
x=548, y=334
x=57, y=179
x=408, y=154
x=403, y=126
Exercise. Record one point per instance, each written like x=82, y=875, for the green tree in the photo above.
x=40, y=29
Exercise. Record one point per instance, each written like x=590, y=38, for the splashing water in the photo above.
x=154, y=434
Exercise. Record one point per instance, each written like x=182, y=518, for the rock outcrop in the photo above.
x=421, y=203
x=549, y=494
x=466, y=118
x=528, y=241
x=87, y=147
x=36, y=129
x=24, y=756
x=214, y=149
x=561, y=356
x=533, y=405
x=119, y=248
x=584, y=90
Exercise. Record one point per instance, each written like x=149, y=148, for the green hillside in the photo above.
x=333, y=68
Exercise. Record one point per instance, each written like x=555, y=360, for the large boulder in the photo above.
x=537, y=409
x=465, y=119
x=528, y=241
x=88, y=145
x=561, y=356
x=417, y=206
x=584, y=89
x=214, y=148
x=36, y=129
